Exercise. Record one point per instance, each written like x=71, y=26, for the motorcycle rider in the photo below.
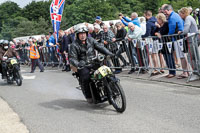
x=82, y=49
x=5, y=53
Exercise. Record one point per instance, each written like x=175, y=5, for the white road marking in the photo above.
x=28, y=77
x=23, y=70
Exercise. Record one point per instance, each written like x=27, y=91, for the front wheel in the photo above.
x=117, y=96
x=18, y=79
x=17, y=75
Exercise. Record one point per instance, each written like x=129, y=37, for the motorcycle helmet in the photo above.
x=81, y=28
x=5, y=44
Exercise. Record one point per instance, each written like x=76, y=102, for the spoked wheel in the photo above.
x=117, y=96
x=18, y=78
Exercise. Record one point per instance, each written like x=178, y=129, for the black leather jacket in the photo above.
x=81, y=52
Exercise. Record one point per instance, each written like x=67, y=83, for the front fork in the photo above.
x=111, y=78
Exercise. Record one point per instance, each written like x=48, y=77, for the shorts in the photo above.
x=179, y=53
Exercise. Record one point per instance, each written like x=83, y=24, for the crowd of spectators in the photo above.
x=129, y=31
x=166, y=22
x=52, y=53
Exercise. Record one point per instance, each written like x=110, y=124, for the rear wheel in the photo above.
x=117, y=96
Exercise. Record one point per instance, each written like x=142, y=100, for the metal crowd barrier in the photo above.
x=48, y=57
x=145, y=55
x=154, y=53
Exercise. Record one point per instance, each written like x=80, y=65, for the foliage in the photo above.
x=87, y=10
x=8, y=10
x=35, y=10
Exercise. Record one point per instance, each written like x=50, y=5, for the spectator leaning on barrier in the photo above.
x=150, y=29
x=64, y=50
x=98, y=20
x=190, y=26
x=180, y=54
x=119, y=38
x=143, y=25
x=107, y=37
x=98, y=33
x=134, y=19
x=190, y=10
x=47, y=49
x=134, y=32
x=174, y=51
x=19, y=50
x=125, y=27
x=175, y=24
x=112, y=27
x=162, y=11
x=71, y=36
x=162, y=29
x=43, y=40
x=25, y=52
x=51, y=45
x=66, y=32
x=90, y=31
x=39, y=47
x=150, y=23
x=198, y=15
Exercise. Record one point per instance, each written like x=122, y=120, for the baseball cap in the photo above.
x=98, y=18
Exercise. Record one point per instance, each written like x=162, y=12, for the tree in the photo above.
x=41, y=26
x=10, y=26
x=8, y=10
x=35, y=10
x=152, y=5
x=25, y=28
x=86, y=11
x=127, y=6
x=178, y=4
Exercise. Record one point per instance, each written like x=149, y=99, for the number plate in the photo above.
x=13, y=61
x=104, y=70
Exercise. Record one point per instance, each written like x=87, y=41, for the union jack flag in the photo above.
x=56, y=10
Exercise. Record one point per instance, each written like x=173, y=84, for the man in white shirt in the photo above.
x=134, y=33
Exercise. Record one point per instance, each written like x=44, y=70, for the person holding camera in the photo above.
x=134, y=19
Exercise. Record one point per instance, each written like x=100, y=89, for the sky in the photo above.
x=21, y=3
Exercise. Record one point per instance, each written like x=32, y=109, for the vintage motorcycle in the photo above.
x=104, y=85
x=13, y=71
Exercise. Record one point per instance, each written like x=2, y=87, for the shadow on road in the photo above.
x=79, y=105
x=4, y=83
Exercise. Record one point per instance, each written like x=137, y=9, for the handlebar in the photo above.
x=8, y=60
x=93, y=61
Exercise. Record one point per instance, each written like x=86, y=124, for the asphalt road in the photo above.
x=50, y=103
